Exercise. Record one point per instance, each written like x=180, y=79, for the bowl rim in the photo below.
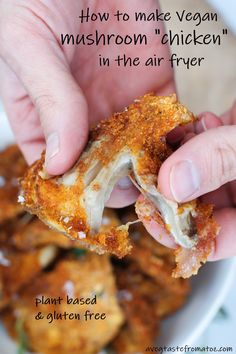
x=216, y=304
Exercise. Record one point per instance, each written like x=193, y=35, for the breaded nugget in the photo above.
x=28, y=246
x=19, y=268
x=142, y=322
x=34, y=234
x=152, y=258
x=89, y=276
x=12, y=166
x=129, y=143
x=131, y=140
x=145, y=301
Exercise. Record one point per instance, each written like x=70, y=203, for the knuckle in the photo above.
x=16, y=25
x=11, y=35
x=226, y=162
x=45, y=104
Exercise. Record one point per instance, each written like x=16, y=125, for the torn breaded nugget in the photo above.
x=36, y=234
x=129, y=143
x=133, y=140
x=89, y=276
x=203, y=228
x=12, y=166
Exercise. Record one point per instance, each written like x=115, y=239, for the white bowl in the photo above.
x=209, y=289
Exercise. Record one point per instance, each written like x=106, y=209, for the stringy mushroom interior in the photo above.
x=180, y=223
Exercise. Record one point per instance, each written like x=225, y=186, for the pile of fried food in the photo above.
x=135, y=292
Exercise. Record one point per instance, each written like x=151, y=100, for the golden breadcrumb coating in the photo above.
x=188, y=261
x=35, y=234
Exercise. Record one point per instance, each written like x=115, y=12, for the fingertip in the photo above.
x=59, y=164
x=63, y=150
x=176, y=135
x=123, y=194
x=164, y=179
x=225, y=246
x=207, y=120
x=32, y=150
x=159, y=234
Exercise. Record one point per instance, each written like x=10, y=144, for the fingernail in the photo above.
x=184, y=180
x=201, y=126
x=52, y=148
x=124, y=183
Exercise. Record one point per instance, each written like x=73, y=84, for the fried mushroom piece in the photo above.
x=18, y=268
x=142, y=322
x=85, y=277
x=12, y=166
x=34, y=234
x=145, y=301
x=129, y=143
x=28, y=246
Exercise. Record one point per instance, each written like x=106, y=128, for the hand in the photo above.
x=53, y=93
x=206, y=163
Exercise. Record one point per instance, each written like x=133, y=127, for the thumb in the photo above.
x=41, y=66
x=202, y=165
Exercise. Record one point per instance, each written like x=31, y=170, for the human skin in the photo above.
x=53, y=94
x=210, y=151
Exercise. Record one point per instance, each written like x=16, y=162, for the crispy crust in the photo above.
x=35, y=234
x=53, y=204
x=188, y=261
